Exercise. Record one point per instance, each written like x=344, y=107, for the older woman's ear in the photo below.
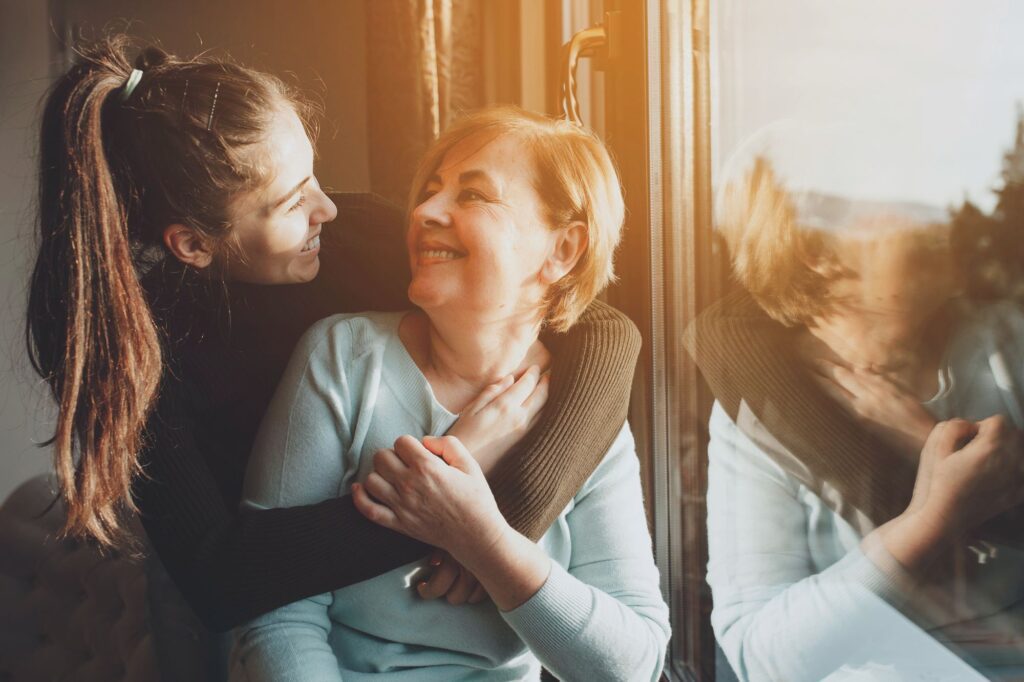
x=569, y=246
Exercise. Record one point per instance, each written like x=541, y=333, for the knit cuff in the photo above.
x=553, y=617
x=872, y=566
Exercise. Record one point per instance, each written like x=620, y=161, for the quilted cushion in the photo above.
x=69, y=612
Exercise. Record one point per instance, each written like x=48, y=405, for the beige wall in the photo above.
x=24, y=75
x=318, y=43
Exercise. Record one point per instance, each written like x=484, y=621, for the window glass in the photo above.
x=867, y=186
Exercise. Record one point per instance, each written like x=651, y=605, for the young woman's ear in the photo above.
x=570, y=243
x=188, y=246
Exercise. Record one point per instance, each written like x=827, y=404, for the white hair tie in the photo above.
x=129, y=85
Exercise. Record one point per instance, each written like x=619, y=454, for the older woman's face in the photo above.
x=479, y=237
x=898, y=267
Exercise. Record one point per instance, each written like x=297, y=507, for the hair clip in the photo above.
x=213, y=107
x=129, y=85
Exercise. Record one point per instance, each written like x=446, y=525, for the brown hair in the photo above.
x=772, y=254
x=116, y=168
x=576, y=180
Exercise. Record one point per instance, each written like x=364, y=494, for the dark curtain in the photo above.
x=424, y=68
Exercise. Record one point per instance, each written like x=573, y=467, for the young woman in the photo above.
x=514, y=223
x=172, y=191
x=817, y=506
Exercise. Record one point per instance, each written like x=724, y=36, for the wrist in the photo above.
x=512, y=569
x=914, y=538
x=922, y=430
x=484, y=544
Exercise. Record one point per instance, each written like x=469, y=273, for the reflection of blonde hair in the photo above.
x=576, y=180
x=772, y=256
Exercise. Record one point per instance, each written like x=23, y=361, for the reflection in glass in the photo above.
x=878, y=282
x=831, y=368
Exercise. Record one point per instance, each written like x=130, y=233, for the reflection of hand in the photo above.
x=433, y=491
x=967, y=474
x=451, y=580
x=878, y=403
x=501, y=415
x=982, y=479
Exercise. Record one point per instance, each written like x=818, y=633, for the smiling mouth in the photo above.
x=439, y=254
x=313, y=243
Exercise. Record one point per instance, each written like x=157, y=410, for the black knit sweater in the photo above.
x=225, y=349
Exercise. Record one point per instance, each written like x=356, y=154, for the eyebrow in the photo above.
x=468, y=176
x=290, y=194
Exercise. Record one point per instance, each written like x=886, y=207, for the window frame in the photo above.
x=657, y=120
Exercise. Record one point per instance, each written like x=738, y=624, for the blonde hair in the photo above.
x=772, y=255
x=576, y=180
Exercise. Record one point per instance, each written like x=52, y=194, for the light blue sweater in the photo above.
x=352, y=388
x=791, y=581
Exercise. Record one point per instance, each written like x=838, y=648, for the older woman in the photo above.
x=514, y=223
x=817, y=506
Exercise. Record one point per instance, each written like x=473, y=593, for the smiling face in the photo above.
x=275, y=233
x=479, y=240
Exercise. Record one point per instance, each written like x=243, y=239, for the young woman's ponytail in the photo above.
x=90, y=329
x=122, y=157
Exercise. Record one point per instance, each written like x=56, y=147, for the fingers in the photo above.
x=840, y=377
x=536, y=400
x=442, y=578
x=488, y=395
x=535, y=403
x=374, y=511
x=464, y=587
x=517, y=394
x=451, y=581
x=413, y=453
x=833, y=390
x=996, y=428
x=949, y=436
x=479, y=594
x=380, y=489
x=452, y=451
x=388, y=465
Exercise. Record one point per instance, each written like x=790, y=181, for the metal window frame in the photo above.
x=658, y=112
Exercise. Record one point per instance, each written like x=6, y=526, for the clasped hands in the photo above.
x=435, y=489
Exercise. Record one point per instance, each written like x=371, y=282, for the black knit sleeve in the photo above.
x=232, y=566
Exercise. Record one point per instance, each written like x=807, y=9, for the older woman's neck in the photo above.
x=462, y=356
x=868, y=340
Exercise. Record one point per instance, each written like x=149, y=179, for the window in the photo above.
x=883, y=144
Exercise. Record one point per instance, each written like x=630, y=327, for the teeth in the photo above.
x=312, y=243
x=443, y=255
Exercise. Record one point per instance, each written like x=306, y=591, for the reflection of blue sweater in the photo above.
x=788, y=573
x=352, y=388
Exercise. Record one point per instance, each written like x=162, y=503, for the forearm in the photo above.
x=913, y=539
x=770, y=610
x=569, y=625
x=511, y=568
x=800, y=630
x=591, y=379
x=232, y=566
x=609, y=593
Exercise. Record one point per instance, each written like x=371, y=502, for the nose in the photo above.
x=432, y=212
x=325, y=210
